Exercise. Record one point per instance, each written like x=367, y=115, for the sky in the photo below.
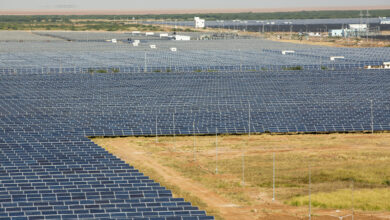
x=178, y=4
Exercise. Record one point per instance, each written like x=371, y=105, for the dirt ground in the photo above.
x=154, y=159
x=329, y=42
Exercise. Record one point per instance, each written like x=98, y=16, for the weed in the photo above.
x=101, y=71
x=293, y=68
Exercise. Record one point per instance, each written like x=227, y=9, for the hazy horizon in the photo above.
x=176, y=4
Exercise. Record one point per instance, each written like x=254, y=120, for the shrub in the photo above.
x=102, y=71
x=293, y=68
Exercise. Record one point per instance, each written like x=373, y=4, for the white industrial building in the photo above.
x=353, y=30
x=361, y=27
x=384, y=20
x=199, y=23
x=182, y=37
x=337, y=32
x=386, y=65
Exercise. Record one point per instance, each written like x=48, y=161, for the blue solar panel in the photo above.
x=50, y=169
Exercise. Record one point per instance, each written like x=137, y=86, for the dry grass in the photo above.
x=327, y=41
x=336, y=160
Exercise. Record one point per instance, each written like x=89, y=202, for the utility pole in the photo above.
x=372, y=118
x=249, y=119
x=273, y=178
x=193, y=129
x=239, y=51
x=352, y=198
x=243, y=168
x=156, y=130
x=174, y=131
x=361, y=21
x=368, y=25
x=309, y=192
x=145, y=66
x=216, y=150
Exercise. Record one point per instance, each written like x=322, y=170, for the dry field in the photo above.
x=328, y=41
x=231, y=176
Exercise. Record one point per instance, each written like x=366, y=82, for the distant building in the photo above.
x=386, y=65
x=199, y=23
x=182, y=37
x=384, y=20
x=337, y=33
x=311, y=34
x=361, y=27
x=354, y=30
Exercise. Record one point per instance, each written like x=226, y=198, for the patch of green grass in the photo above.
x=101, y=71
x=363, y=199
x=198, y=71
x=293, y=68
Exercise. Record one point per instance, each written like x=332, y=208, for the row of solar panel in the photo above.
x=44, y=119
x=232, y=130
x=173, y=69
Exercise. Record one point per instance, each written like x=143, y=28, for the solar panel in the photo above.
x=50, y=103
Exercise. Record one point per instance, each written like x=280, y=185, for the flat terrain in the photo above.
x=180, y=11
x=328, y=41
x=348, y=172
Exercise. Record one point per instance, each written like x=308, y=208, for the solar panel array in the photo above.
x=50, y=169
x=222, y=55
x=128, y=104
